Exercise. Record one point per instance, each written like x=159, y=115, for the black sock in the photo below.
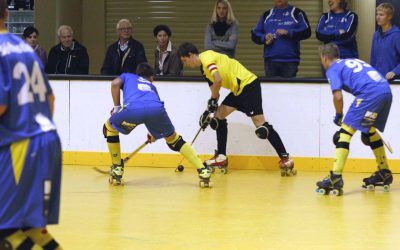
x=222, y=136
x=275, y=140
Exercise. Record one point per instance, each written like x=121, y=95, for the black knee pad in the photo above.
x=365, y=139
x=335, y=138
x=262, y=132
x=215, y=123
x=177, y=145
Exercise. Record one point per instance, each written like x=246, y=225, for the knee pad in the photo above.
x=336, y=137
x=262, y=132
x=177, y=144
x=110, y=133
x=215, y=123
x=365, y=139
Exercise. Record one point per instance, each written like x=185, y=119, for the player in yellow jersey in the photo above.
x=222, y=71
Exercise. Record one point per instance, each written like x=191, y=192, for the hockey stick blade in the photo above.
x=101, y=171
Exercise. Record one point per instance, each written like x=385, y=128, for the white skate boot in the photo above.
x=218, y=161
x=116, y=173
x=286, y=166
x=204, y=175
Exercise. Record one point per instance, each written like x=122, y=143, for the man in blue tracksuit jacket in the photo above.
x=339, y=26
x=281, y=29
x=385, y=52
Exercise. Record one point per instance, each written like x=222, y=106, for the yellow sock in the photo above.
x=378, y=148
x=19, y=240
x=190, y=154
x=342, y=148
x=114, y=147
x=43, y=238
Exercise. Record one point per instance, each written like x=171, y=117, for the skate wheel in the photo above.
x=370, y=187
x=110, y=180
x=321, y=191
x=294, y=172
x=201, y=184
x=224, y=170
x=386, y=188
x=337, y=192
x=283, y=173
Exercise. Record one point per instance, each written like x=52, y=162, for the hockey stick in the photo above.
x=387, y=145
x=126, y=159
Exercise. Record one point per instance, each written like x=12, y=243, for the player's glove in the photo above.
x=116, y=109
x=205, y=119
x=150, y=138
x=338, y=119
x=212, y=105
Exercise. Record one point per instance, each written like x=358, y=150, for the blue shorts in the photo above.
x=369, y=113
x=155, y=118
x=30, y=182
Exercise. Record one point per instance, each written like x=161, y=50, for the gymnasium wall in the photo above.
x=301, y=112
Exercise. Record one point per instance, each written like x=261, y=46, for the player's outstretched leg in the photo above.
x=382, y=177
x=286, y=166
x=218, y=161
x=204, y=175
x=116, y=173
x=332, y=183
x=42, y=238
x=176, y=143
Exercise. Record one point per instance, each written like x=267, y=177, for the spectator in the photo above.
x=69, y=56
x=166, y=60
x=385, y=52
x=222, y=33
x=280, y=30
x=339, y=26
x=124, y=55
x=30, y=36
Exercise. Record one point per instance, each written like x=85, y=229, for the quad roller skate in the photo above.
x=116, y=173
x=332, y=184
x=218, y=161
x=286, y=166
x=204, y=175
x=382, y=177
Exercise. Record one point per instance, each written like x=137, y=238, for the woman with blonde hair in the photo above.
x=222, y=33
x=385, y=52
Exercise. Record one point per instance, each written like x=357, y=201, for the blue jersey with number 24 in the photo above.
x=24, y=91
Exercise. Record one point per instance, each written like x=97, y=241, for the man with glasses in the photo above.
x=124, y=55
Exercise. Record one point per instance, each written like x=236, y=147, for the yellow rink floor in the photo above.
x=160, y=209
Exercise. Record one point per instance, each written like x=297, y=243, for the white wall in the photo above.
x=301, y=113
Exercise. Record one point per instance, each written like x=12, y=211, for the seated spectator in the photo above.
x=280, y=30
x=124, y=55
x=30, y=36
x=222, y=33
x=166, y=59
x=385, y=52
x=69, y=56
x=339, y=26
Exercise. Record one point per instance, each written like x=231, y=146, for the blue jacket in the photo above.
x=283, y=48
x=385, y=52
x=328, y=32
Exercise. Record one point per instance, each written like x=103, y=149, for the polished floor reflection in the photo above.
x=160, y=209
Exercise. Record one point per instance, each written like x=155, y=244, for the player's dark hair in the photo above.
x=343, y=4
x=186, y=48
x=3, y=7
x=145, y=70
x=161, y=27
x=329, y=50
x=29, y=31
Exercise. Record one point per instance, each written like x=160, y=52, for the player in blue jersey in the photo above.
x=142, y=105
x=368, y=112
x=30, y=149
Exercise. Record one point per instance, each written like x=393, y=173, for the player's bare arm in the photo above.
x=216, y=86
x=51, y=104
x=115, y=91
x=338, y=101
x=2, y=109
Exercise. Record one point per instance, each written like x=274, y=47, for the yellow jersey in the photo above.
x=233, y=74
